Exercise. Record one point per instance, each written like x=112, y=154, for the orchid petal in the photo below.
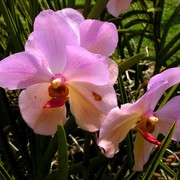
x=114, y=129
x=87, y=116
x=113, y=70
x=22, y=70
x=156, y=88
x=149, y=100
x=166, y=79
x=116, y=7
x=85, y=66
x=169, y=113
x=142, y=151
x=73, y=18
x=42, y=120
x=51, y=34
x=101, y=97
x=98, y=37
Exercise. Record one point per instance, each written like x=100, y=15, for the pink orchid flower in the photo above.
x=116, y=7
x=141, y=117
x=65, y=59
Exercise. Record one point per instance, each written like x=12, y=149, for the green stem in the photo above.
x=97, y=9
x=87, y=8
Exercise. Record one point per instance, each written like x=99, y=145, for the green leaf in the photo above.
x=77, y=168
x=130, y=62
x=11, y=25
x=169, y=45
x=169, y=54
x=167, y=169
x=168, y=25
x=62, y=154
x=48, y=155
x=3, y=173
x=97, y=9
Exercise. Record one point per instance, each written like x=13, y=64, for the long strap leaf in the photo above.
x=62, y=154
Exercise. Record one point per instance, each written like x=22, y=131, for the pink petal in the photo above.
x=144, y=104
x=101, y=97
x=22, y=70
x=170, y=75
x=142, y=151
x=98, y=37
x=149, y=100
x=113, y=69
x=87, y=116
x=169, y=113
x=116, y=7
x=114, y=129
x=42, y=120
x=85, y=66
x=164, y=80
x=48, y=40
x=73, y=18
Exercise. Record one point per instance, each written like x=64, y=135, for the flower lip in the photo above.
x=146, y=126
x=58, y=91
x=149, y=137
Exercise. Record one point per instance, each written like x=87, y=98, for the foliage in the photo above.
x=149, y=41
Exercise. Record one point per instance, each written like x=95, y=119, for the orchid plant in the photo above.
x=142, y=117
x=65, y=60
x=65, y=72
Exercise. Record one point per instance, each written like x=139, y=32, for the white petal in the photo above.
x=142, y=151
x=42, y=120
x=168, y=114
x=87, y=116
x=114, y=129
x=101, y=97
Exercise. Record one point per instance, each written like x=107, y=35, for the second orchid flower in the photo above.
x=142, y=117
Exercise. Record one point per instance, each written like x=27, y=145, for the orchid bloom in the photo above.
x=141, y=117
x=116, y=7
x=65, y=59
